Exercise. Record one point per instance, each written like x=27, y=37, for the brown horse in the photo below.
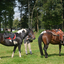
x=53, y=37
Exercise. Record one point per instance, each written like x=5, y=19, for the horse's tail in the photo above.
x=39, y=43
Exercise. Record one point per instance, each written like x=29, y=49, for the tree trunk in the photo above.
x=21, y=16
x=37, y=23
x=32, y=13
x=29, y=23
x=63, y=14
x=0, y=26
x=10, y=22
x=5, y=21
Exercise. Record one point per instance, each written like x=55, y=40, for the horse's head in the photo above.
x=31, y=33
x=25, y=32
x=61, y=37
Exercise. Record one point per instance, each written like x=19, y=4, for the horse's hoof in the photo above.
x=59, y=55
x=42, y=54
x=11, y=57
x=46, y=56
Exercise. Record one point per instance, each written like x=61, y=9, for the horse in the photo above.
x=50, y=37
x=16, y=41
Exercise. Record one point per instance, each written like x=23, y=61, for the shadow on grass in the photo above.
x=62, y=54
x=9, y=56
x=5, y=57
x=51, y=55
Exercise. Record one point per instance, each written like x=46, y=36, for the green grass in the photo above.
x=35, y=58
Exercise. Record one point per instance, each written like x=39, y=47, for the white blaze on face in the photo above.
x=43, y=32
x=20, y=31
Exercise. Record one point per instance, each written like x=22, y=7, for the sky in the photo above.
x=17, y=12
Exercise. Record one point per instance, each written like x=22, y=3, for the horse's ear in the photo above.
x=59, y=29
x=29, y=28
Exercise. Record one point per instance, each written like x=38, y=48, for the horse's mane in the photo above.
x=20, y=31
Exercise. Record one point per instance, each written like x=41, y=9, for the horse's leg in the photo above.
x=19, y=48
x=59, y=49
x=14, y=51
x=45, y=49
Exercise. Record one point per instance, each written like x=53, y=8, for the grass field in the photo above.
x=35, y=58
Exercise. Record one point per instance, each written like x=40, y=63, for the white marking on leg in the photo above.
x=12, y=54
x=19, y=54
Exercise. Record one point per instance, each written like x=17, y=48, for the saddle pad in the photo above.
x=11, y=38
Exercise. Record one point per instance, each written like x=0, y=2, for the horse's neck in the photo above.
x=25, y=35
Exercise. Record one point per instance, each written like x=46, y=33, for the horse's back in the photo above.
x=50, y=38
x=46, y=37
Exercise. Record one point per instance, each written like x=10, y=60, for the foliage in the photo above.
x=52, y=13
x=6, y=13
x=46, y=14
x=16, y=23
x=24, y=22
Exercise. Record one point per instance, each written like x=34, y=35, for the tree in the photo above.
x=37, y=13
x=45, y=13
x=24, y=22
x=6, y=12
x=62, y=1
x=27, y=6
x=52, y=14
x=16, y=23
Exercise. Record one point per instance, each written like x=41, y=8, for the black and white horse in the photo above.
x=17, y=39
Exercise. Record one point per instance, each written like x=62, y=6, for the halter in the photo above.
x=30, y=35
